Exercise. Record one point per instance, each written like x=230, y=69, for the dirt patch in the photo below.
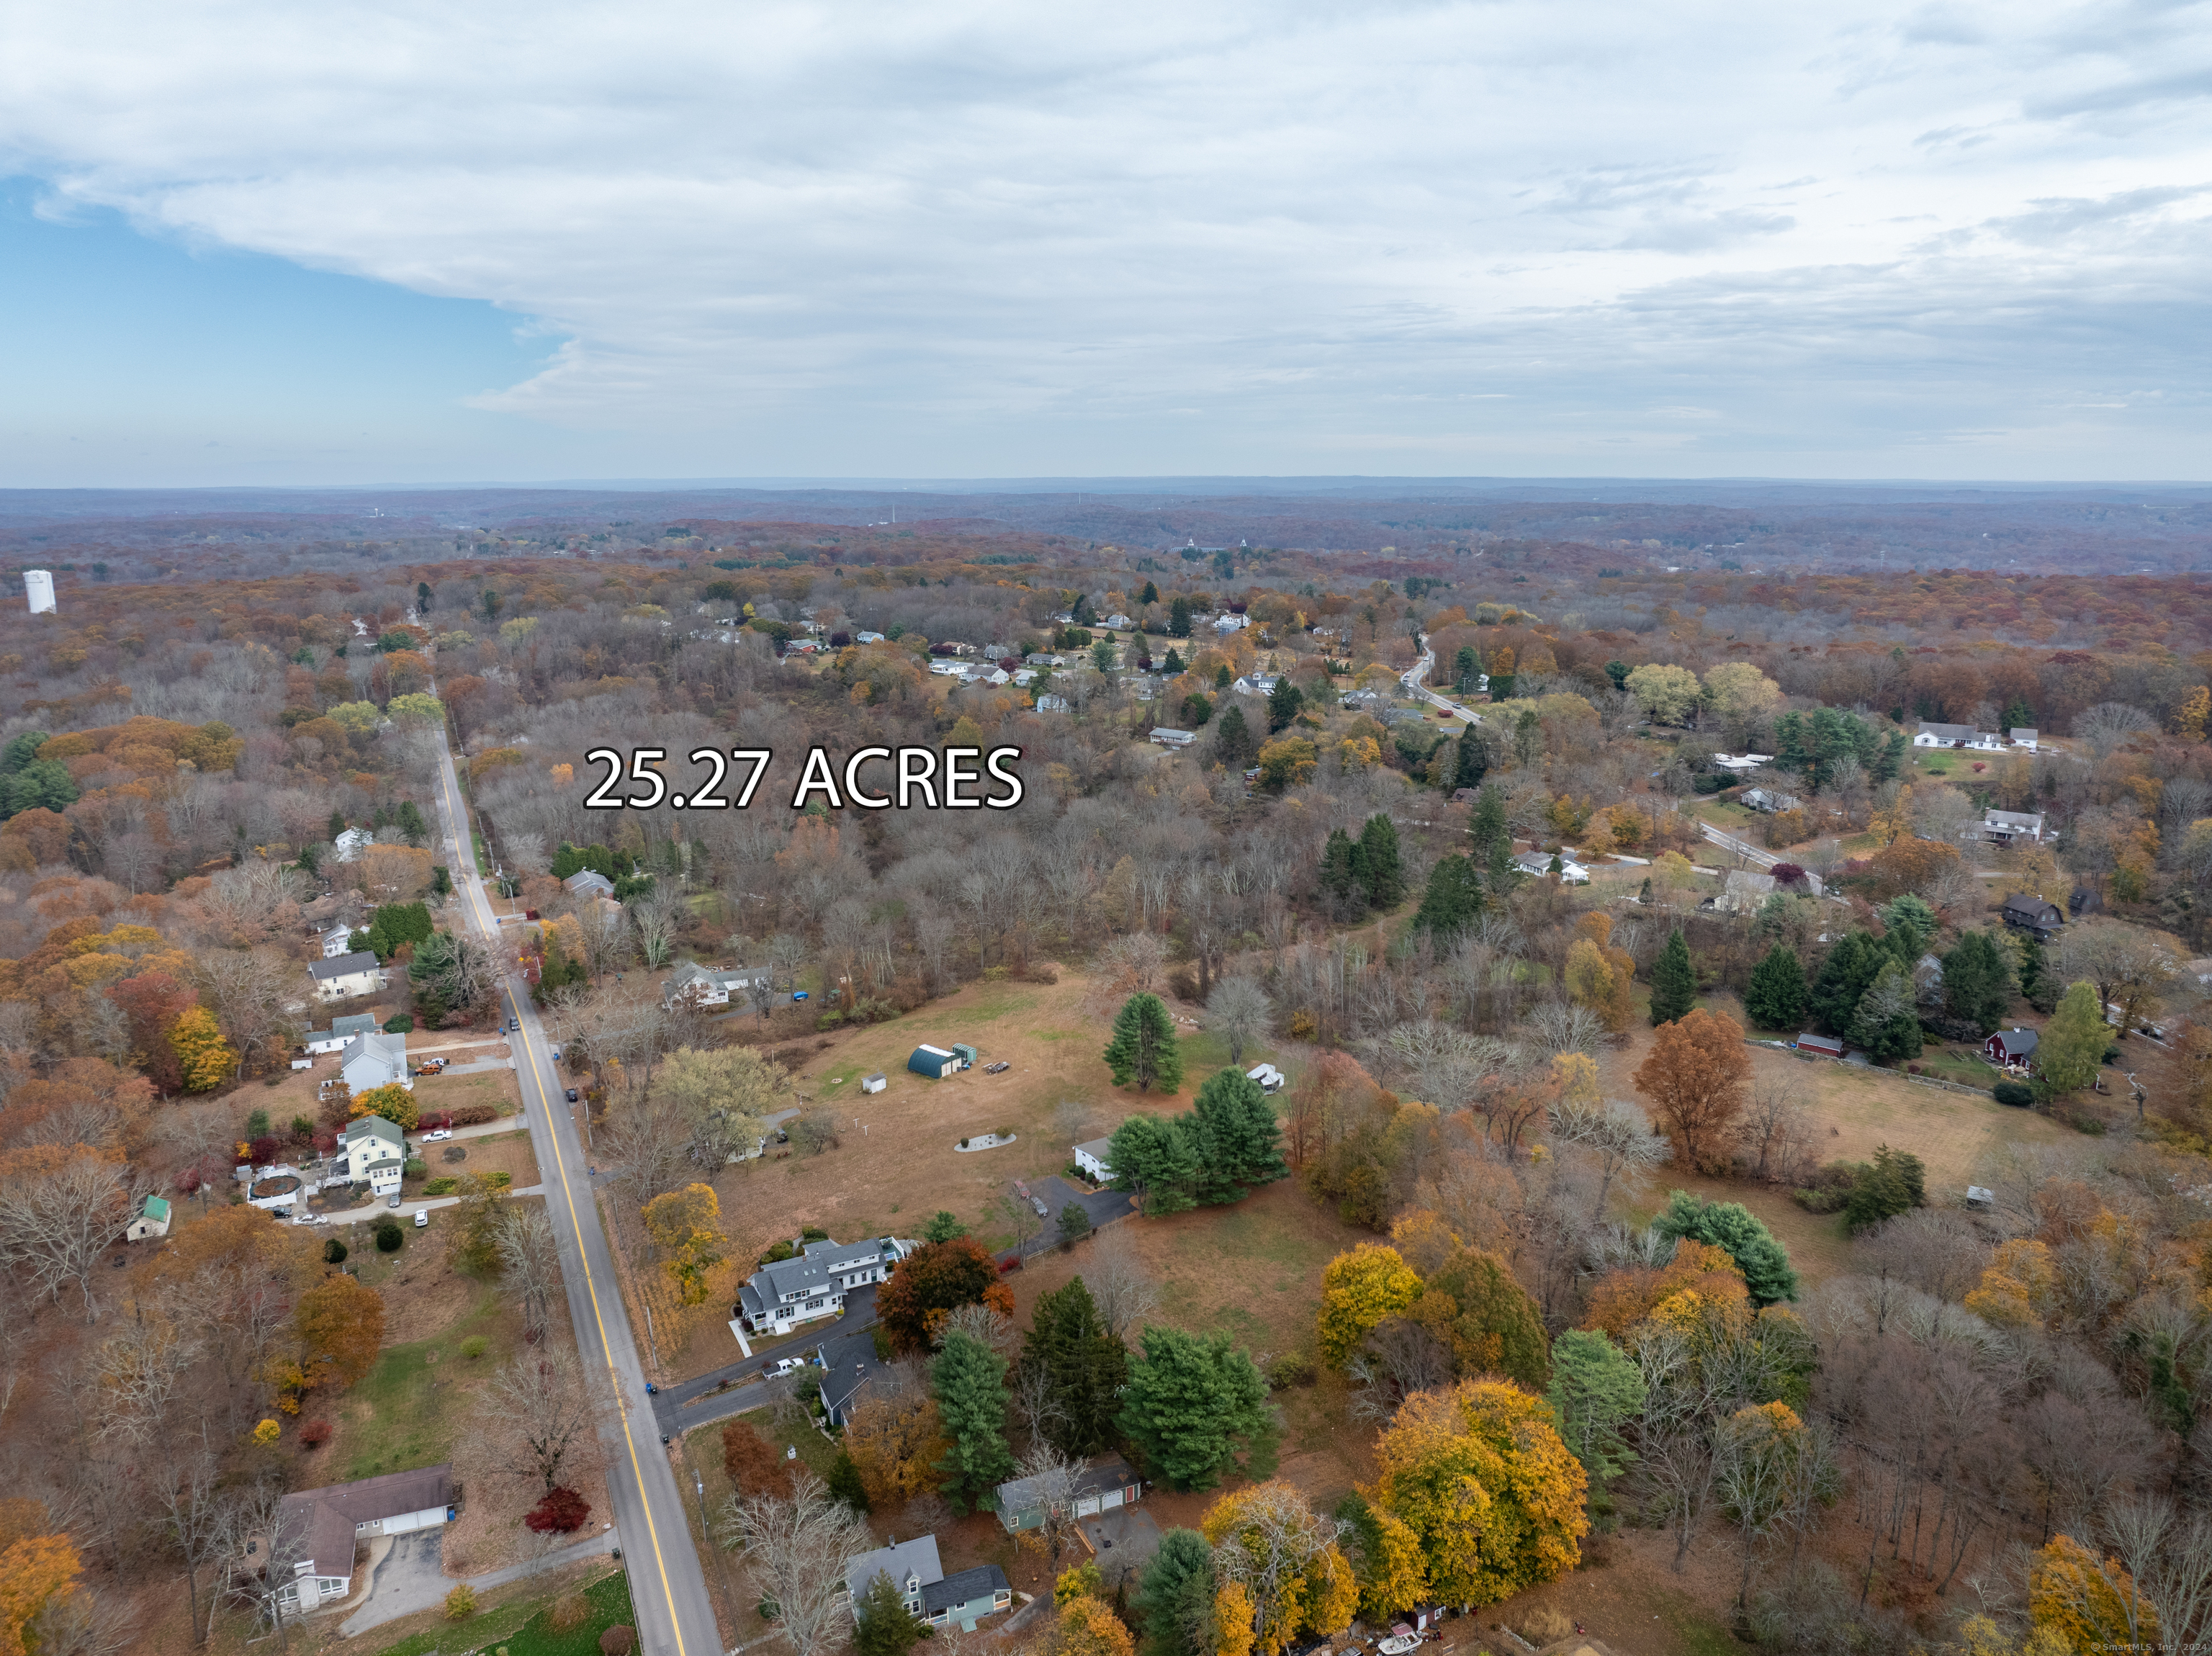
x=497, y=1088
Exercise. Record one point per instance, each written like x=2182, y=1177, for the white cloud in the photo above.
x=982, y=238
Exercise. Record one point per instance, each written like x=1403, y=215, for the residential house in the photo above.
x=338, y=941
x=1040, y=659
x=2012, y=1049
x=375, y=1152
x=2023, y=736
x=325, y=1525
x=1103, y=1484
x=590, y=882
x=2041, y=920
x=1090, y=1158
x=375, y=1059
x=347, y=975
x=948, y=668
x=708, y=986
x=1051, y=704
x=1257, y=683
x=868, y=638
x=998, y=676
x=1023, y=678
x=348, y=845
x=1166, y=737
x=1539, y=864
x=151, y=1221
x=939, y=1599
x=1118, y=622
x=341, y=1030
x=1741, y=761
x=1769, y=800
x=1957, y=735
x=1743, y=891
x=848, y=1365
x=2007, y=827
x=779, y=1296
x=1362, y=701
x=965, y=1597
x=1823, y=1046
x=1231, y=623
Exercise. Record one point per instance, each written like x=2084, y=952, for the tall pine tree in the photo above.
x=1473, y=762
x=1673, y=981
x=968, y=1379
x=1084, y=1367
x=1239, y=1144
x=1233, y=739
x=1381, y=872
x=1977, y=981
x=1340, y=877
x=1452, y=901
x=1467, y=672
x=1143, y=1049
x=1775, y=998
x=1284, y=702
x=1844, y=977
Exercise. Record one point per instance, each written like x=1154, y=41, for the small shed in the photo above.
x=1980, y=1198
x=1826, y=1045
x=965, y=1054
x=935, y=1061
x=874, y=1084
x=152, y=1220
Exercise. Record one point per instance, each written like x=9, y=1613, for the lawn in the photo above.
x=396, y=1418
x=525, y=1628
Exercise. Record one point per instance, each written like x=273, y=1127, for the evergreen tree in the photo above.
x=1156, y=1161
x=846, y=1483
x=1618, y=672
x=1222, y=680
x=1908, y=924
x=1466, y=669
x=968, y=1379
x=1473, y=762
x=1082, y=1363
x=1673, y=981
x=1143, y=1049
x=1239, y=1144
x=1339, y=874
x=1233, y=740
x=2018, y=715
x=1844, y=977
x=1196, y=710
x=1174, y=664
x=422, y=597
x=1737, y=1232
x=1487, y=830
x=943, y=1226
x=1887, y=1022
x=1597, y=1389
x=1895, y=1183
x=883, y=1625
x=1775, y=999
x=1149, y=595
x=2038, y=987
x=1196, y=1408
x=338, y=824
x=1284, y=702
x=1174, y=1596
x=1381, y=872
x=411, y=822
x=1890, y=762
x=1452, y=901
x=1179, y=618
x=1977, y=981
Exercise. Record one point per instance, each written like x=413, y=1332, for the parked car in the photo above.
x=799, y=994
x=394, y=1202
x=422, y=1218
x=437, y=1136
x=572, y=1095
x=994, y=1069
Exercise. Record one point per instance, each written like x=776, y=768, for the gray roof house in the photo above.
x=2024, y=736
x=588, y=883
x=1092, y=1158
x=1743, y=891
x=849, y=1364
x=1770, y=800
x=778, y=1297
x=374, y=1059
x=343, y=976
x=2004, y=826
x=1104, y=1484
x=341, y=1031
x=2034, y=915
x=325, y=1524
x=942, y=1601
x=1956, y=736
x=709, y=985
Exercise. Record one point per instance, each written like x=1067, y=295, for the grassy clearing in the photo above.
x=397, y=1418
x=1959, y=1064
x=523, y=1627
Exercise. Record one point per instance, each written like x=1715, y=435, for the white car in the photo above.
x=438, y=1135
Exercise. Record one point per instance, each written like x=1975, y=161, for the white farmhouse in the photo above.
x=375, y=1150
x=374, y=1059
x=778, y=1297
x=344, y=976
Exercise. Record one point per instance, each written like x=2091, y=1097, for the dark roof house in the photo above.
x=2034, y=914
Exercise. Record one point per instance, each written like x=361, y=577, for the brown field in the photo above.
x=509, y=1152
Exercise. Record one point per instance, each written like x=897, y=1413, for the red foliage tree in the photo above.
x=315, y=1433
x=939, y=1277
x=561, y=1511
x=153, y=1002
x=752, y=1462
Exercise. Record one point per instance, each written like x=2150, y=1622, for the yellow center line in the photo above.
x=576, y=1224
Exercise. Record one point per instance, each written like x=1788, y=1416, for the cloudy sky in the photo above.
x=253, y=242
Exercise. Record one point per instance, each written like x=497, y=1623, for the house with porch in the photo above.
x=1538, y=863
x=2011, y=1050
x=338, y=941
x=320, y=1528
x=959, y=1601
x=343, y=976
x=779, y=1296
x=1105, y=1483
x=1957, y=735
x=2007, y=828
x=342, y=1031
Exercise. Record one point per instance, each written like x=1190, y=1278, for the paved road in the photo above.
x=1736, y=847
x=668, y=1588
x=1412, y=678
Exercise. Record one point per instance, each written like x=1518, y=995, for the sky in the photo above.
x=251, y=243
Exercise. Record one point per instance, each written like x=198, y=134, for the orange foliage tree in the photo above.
x=1694, y=1080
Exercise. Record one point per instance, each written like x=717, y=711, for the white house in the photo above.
x=2008, y=826
x=948, y=670
x=1168, y=738
x=338, y=941
x=868, y=638
x=998, y=676
x=1539, y=862
x=322, y=1527
x=1091, y=1159
x=589, y=882
x=1770, y=800
x=1231, y=623
x=1023, y=678
x=152, y=1221
x=376, y=1150
x=374, y=1059
x=1957, y=735
x=1119, y=622
x=2023, y=736
x=1051, y=704
x=351, y=843
x=1741, y=761
x=1271, y=1079
x=709, y=987
x=1257, y=683
x=347, y=975
x=341, y=1030
x=779, y=1296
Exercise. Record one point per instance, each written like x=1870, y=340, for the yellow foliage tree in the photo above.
x=267, y=1432
x=393, y=1101
x=203, y=1056
x=1232, y=1621
x=1087, y=1628
x=1358, y=1290
x=34, y=1572
x=895, y=1442
x=2091, y=1603
x=685, y=1225
x=1268, y=1540
x=2017, y=1285
x=1481, y=1477
x=1424, y=1241
x=2188, y=718
x=1892, y=824
x=1395, y=1575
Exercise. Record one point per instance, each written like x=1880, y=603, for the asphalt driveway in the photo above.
x=1103, y=1206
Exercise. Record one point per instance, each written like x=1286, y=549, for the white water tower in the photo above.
x=39, y=584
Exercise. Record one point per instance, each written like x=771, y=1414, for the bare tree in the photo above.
x=56, y=1219
x=2108, y=727
x=799, y=1548
x=1125, y=1292
x=529, y=1263
x=187, y=1488
x=1053, y=1478
x=1938, y=1251
x=535, y=1418
x=1617, y=1133
x=1239, y=1009
x=985, y=1325
x=1774, y=1126
x=1561, y=1026
x=655, y=919
x=249, y=990
x=2169, y=1554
